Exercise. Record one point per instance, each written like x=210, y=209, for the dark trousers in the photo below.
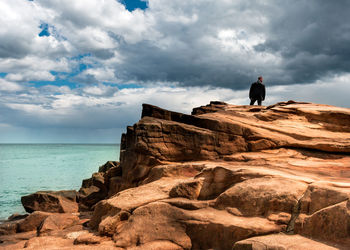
x=252, y=101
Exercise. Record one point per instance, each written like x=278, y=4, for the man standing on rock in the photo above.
x=257, y=91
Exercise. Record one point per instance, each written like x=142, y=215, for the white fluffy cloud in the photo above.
x=8, y=86
x=181, y=54
x=218, y=43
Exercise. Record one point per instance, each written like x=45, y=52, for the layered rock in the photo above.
x=226, y=176
x=100, y=185
x=231, y=172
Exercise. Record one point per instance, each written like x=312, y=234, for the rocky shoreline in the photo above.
x=224, y=177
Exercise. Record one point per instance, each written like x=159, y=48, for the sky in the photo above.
x=78, y=71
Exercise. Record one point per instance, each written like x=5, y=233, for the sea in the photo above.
x=27, y=168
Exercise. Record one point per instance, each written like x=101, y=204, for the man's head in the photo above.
x=260, y=78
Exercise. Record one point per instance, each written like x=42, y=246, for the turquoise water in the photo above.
x=27, y=168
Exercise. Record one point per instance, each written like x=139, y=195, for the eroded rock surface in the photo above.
x=51, y=201
x=241, y=177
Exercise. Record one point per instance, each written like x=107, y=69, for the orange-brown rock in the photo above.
x=56, y=222
x=226, y=176
x=51, y=201
x=260, y=168
x=88, y=239
x=33, y=221
x=97, y=187
x=281, y=241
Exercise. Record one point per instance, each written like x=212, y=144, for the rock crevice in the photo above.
x=224, y=177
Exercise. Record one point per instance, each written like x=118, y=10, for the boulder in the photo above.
x=108, y=165
x=262, y=196
x=210, y=228
x=46, y=242
x=92, y=191
x=328, y=224
x=56, y=222
x=100, y=185
x=51, y=201
x=320, y=195
x=128, y=200
x=188, y=189
x=33, y=221
x=156, y=221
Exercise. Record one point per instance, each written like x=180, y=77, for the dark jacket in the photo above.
x=257, y=91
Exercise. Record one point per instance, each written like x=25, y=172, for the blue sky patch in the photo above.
x=134, y=4
x=44, y=30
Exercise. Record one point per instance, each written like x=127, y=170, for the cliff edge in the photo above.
x=224, y=177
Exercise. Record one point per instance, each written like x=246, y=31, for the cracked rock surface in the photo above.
x=224, y=177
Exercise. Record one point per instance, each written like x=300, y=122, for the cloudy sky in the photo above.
x=77, y=71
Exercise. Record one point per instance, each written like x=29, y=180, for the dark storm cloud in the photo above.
x=182, y=54
x=148, y=63
x=11, y=47
x=312, y=37
x=309, y=38
x=195, y=43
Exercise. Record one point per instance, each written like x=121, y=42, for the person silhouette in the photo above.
x=257, y=91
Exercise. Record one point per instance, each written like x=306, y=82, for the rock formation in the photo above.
x=51, y=201
x=224, y=177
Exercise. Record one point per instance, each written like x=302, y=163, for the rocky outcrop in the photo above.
x=51, y=201
x=231, y=172
x=224, y=177
x=99, y=186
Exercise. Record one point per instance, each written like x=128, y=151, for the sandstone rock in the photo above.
x=92, y=191
x=56, y=222
x=321, y=195
x=216, y=181
x=216, y=229
x=52, y=242
x=188, y=204
x=217, y=178
x=116, y=184
x=13, y=246
x=50, y=201
x=212, y=107
x=108, y=165
x=158, y=245
x=47, y=242
x=87, y=239
x=8, y=228
x=280, y=218
x=174, y=170
x=17, y=216
x=188, y=189
x=73, y=235
x=166, y=135
x=153, y=222
x=6, y=241
x=132, y=198
x=100, y=185
x=328, y=224
x=282, y=242
x=262, y=196
x=33, y=221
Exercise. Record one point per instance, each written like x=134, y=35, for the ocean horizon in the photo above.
x=29, y=167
